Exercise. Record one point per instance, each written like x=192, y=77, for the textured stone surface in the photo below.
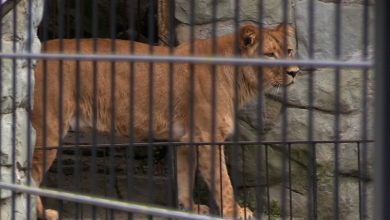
x=249, y=11
x=20, y=208
x=324, y=93
x=18, y=40
x=272, y=11
x=14, y=102
x=20, y=137
x=324, y=29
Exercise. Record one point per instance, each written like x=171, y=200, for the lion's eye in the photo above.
x=289, y=51
x=269, y=54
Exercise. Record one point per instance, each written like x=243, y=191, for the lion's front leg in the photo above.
x=186, y=166
x=220, y=183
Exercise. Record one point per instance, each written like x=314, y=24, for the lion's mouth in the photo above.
x=281, y=84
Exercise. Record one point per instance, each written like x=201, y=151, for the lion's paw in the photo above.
x=241, y=214
x=201, y=209
x=51, y=214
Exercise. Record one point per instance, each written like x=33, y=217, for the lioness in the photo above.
x=273, y=47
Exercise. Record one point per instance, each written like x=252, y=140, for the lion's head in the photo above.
x=273, y=47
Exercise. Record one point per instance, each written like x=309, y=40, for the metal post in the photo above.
x=382, y=126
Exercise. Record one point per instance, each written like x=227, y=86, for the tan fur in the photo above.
x=202, y=102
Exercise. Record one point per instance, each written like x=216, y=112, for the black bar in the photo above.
x=45, y=37
x=311, y=171
x=29, y=97
x=364, y=121
x=141, y=144
x=60, y=105
x=260, y=117
x=1, y=95
x=94, y=105
x=130, y=147
x=336, y=194
x=14, y=95
x=382, y=119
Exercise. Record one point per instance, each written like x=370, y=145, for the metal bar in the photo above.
x=213, y=113
x=172, y=195
x=260, y=116
x=77, y=75
x=94, y=105
x=1, y=103
x=108, y=203
x=60, y=177
x=364, y=121
x=382, y=108
x=193, y=158
x=336, y=193
x=130, y=147
x=190, y=59
x=7, y=7
x=29, y=104
x=267, y=182
x=112, y=152
x=142, y=144
x=311, y=171
x=45, y=37
x=13, y=125
x=284, y=130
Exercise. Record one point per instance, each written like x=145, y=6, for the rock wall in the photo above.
x=297, y=104
x=15, y=106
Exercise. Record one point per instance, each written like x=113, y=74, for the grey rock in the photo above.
x=204, y=31
x=272, y=11
x=6, y=177
x=17, y=141
x=12, y=101
x=324, y=90
x=350, y=1
x=20, y=208
x=324, y=29
x=203, y=11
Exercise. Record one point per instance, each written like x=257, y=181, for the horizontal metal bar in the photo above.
x=140, y=144
x=190, y=59
x=106, y=203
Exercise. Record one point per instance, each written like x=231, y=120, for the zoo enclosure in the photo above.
x=261, y=207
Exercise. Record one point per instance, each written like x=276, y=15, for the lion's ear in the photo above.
x=281, y=28
x=248, y=37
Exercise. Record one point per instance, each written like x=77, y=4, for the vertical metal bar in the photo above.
x=77, y=179
x=130, y=148
x=60, y=106
x=337, y=110
x=235, y=106
x=94, y=105
x=213, y=109
x=29, y=104
x=284, y=122
x=364, y=129
x=260, y=115
x=171, y=149
x=13, y=126
x=382, y=108
x=44, y=99
x=360, y=181
x=112, y=182
x=1, y=103
x=267, y=183
x=311, y=171
x=191, y=158
x=151, y=40
x=290, y=182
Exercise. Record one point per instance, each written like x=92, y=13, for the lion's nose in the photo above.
x=292, y=73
